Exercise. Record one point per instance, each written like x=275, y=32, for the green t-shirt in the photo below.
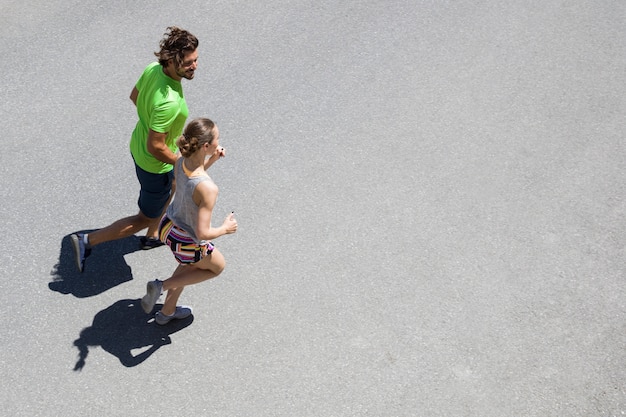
x=161, y=107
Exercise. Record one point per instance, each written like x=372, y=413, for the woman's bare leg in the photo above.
x=207, y=268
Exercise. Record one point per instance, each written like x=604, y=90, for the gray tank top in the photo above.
x=183, y=211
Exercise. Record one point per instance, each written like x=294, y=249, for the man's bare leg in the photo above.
x=82, y=243
x=120, y=229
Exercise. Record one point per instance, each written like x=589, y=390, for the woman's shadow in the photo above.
x=125, y=331
x=104, y=269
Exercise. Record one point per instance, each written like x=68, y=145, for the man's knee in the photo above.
x=144, y=220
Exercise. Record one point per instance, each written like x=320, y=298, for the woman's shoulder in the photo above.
x=205, y=191
x=204, y=183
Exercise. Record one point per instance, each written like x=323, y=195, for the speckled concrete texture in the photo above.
x=430, y=196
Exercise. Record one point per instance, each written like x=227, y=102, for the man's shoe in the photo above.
x=81, y=251
x=182, y=312
x=153, y=292
x=146, y=242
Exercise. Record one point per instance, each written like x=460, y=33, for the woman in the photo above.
x=186, y=227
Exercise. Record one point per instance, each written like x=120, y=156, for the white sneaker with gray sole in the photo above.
x=182, y=312
x=153, y=292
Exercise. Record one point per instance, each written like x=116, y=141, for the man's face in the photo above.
x=189, y=65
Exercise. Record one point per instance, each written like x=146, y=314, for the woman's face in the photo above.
x=212, y=147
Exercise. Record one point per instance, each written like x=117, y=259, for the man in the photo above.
x=162, y=111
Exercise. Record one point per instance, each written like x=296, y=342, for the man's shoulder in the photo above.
x=152, y=72
x=151, y=67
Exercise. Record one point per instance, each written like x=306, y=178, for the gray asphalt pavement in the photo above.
x=430, y=197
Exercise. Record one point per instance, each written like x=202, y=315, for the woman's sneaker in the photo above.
x=182, y=312
x=153, y=292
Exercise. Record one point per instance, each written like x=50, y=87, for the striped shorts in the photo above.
x=185, y=250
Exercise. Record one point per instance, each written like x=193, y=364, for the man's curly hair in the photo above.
x=175, y=44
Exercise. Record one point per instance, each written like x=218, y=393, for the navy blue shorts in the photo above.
x=154, y=193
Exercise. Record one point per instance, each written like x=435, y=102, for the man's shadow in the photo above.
x=104, y=269
x=125, y=331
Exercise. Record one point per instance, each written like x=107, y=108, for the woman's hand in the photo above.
x=220, y=152
x=230, y=224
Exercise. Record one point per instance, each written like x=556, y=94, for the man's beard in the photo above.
x=185, y=74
